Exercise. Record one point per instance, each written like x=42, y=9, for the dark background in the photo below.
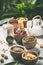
x=17, y=8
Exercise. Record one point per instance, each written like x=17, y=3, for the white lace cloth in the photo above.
x=4, y=45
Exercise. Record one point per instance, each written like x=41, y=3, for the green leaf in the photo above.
x=40, y=58
x=19, y=6
x=14, y=63
x=33, y=1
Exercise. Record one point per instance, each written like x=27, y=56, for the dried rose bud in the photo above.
x=6, y=57
x=2, y=55
x=2, y=60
